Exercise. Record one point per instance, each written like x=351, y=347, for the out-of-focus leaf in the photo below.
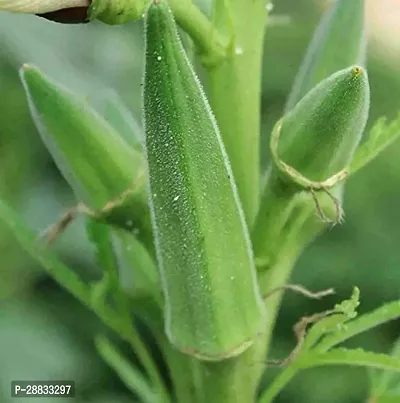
x=131, y=376
x=65, y=277
x=35, y=346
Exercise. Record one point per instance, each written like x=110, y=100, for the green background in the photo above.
x=46, y=334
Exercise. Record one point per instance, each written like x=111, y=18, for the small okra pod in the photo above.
x=101, y=168
x=319, y=136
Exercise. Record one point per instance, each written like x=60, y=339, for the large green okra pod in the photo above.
x=213, y=306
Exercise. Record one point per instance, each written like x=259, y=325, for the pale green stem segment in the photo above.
x=211, y=45
x=234, y=90
x=102, y=169
x=213, y=307
x=338, y=42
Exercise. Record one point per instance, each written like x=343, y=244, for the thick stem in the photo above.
x=277, y=204
x=282, y=379
x=234, y=88
x=235, y=380
x=212, y=46
x=301, y=228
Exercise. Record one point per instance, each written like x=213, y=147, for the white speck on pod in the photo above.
x=238, y=51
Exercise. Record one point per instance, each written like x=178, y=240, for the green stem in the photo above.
x=234, y=380
x=299, y=230
x=278, y=384
x=184, y=372
x=277, y=204
x=131, y=335
x=276, y=277
x=234, y=90
x=130, y=375
x=210, y=43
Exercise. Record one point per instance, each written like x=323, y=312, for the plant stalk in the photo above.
x=234, y=91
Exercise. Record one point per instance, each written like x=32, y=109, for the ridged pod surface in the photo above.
x=213, y=307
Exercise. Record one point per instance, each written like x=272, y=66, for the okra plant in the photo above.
x=210, y=237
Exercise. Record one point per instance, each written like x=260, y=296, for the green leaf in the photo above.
x=213, y=305
x=41, y=254
x=129, y=375
x=382, y=135
x=357, y=357
x=363, y=323
x=94, y=159
x=80, y=290
x=338, y=42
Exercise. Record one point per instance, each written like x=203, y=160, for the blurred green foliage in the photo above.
x=45, y=333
